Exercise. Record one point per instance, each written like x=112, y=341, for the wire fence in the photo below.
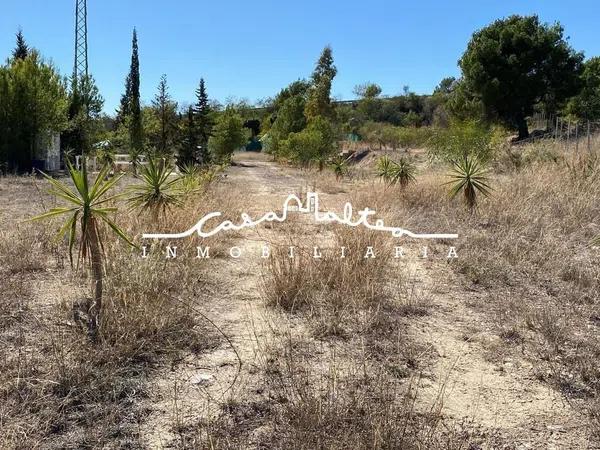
x=574, y=135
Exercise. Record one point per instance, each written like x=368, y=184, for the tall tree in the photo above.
x=587, y=103
x=188, y=150
x=21, y=50
x=229, y=134
x=517, y=62
x=319, y=99
x=204, y=123
x=165, y=110
x=136, y=130
x=33, y=105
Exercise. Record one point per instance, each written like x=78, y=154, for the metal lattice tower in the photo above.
x=80, y=69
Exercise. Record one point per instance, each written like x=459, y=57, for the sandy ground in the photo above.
x=498, y=398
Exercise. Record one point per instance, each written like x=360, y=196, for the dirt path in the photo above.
x=501, y=400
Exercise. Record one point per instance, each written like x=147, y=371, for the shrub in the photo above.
x=462, y=139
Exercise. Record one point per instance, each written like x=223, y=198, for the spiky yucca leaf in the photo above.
x=339, y=165
x=158, y=190
x=469, y=177
x=402, y=172
x=85, y=206
x=385, y=167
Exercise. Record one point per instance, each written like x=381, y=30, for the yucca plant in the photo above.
x=339, y=165
x=158, y=191
x=191, y=179
x=402, y=173
x=469, y=177
x=87, y=210
x=385, y=167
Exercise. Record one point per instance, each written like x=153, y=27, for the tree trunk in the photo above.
x=95, y=307
x=523, y=129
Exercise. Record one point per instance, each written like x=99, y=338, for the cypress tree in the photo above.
x=136, y=131
x=21, y=51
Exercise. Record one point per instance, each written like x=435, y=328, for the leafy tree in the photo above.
x=587, y=103
x=204, y=122
x=165, y=111
x=317, y=142
x=369, y=104
x=85, y=109
x=87, y=210
x=319, y=101
x=34, y=104
x=21, y=50
x=517, y=62
x=461, y=139
x=228, y=135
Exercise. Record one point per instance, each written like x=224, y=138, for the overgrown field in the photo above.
x=311, y=352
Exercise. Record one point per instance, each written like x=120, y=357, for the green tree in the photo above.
x=369, y=104
x=319, y=97
x=165, y=111
x=587, y=103
x=228, y=135
x=188, y=150
x=33, y=105
x=204, y=121
x=136, y=129
x=517, y=62
x=21, y=50
x=84, y=113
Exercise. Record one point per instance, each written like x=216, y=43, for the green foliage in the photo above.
x=130, y=111
x=21, y=50
x=85, y=107
x=587, y=103
x=517, y=62
x=228, y=135
x=392, y=172
x=469, y=177
x=34, y=104
x=204, y=122
x=465, y=138
x=387, y=135
x=189, y=141
x=86, y=209
x=162, y=138
x=319, y=100
x=339, y=166
x=317, y=142
x=159, y=190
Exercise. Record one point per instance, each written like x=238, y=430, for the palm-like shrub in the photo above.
x=86, y=210
x=192, y=178
x=469, y=177
x=403, y=173
x=392, y=172
x=159, y=190
x=385, y=167
x=339, y=165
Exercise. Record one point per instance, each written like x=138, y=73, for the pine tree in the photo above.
x=204, y=123
x=136, y=131
x=21, y=51
x=319, y=100
x=188, y=151
x=165, y=110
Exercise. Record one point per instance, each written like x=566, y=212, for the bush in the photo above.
x=464, y=139
x=316, y=141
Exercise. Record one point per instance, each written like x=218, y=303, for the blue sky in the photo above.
x=251, y=49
